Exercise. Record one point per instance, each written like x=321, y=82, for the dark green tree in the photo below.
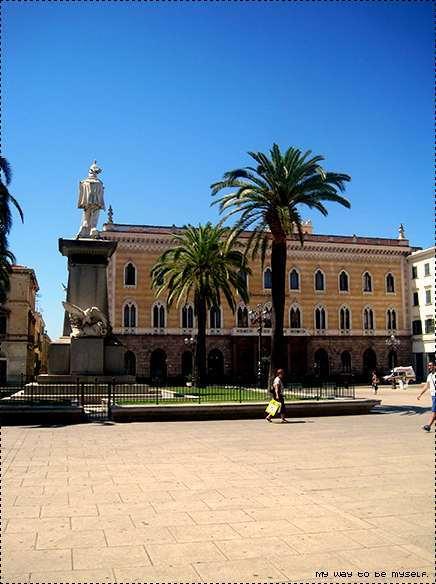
x=6, y=202
x=267, y=199
x=204, y=265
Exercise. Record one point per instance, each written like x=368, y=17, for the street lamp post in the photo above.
x=258, y=317
x=192, y=342
x=393, y=343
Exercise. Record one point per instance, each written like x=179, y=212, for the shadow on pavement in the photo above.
x=402, y=410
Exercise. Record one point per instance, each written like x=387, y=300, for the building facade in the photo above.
x=421, y=302
x=345, y=296
x=23, y=339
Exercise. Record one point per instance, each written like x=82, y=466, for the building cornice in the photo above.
x=385, y=249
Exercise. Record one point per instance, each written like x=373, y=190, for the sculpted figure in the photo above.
x=91, y=200
x=90, y=322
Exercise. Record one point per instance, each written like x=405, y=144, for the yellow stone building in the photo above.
x=23, y=340
x=345, y=296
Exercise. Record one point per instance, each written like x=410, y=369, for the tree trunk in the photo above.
x=278, y=291
x=200, y=348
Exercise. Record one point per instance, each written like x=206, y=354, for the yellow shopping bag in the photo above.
x=273, y=407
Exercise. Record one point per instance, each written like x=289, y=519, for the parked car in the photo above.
x=401, y=375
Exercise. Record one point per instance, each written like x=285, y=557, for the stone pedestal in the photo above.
x=59, y=356
x=87, y=356
x=87, y=279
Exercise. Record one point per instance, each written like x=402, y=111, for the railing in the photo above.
x=182, y=394
x=327, y=390
x=33, y=394
x=96, y=396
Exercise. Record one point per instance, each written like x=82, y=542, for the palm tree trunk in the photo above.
x=200, y=348
x=278, y=291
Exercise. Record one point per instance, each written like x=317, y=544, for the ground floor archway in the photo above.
x=215, y=366
x=322, y=367
x=158, y=365
x=369, y=363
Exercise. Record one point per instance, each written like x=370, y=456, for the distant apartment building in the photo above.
x=23, y=339
x=422, y=307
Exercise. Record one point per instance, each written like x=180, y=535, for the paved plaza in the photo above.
x=223, y=501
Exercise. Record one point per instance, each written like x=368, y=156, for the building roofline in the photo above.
x=351, y=239
x=18, y=269
x=419, y=251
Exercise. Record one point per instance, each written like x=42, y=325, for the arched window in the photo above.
x=346, y=361
x=215, y=317
x=367, y=282
x=267, y=279
x=129, y=275
x=294, y=280
x=319, y=280
x=391, y=319
x=130, y=363
x=242, y=317
x=295, y=318
x=320, y=319
x=129, y=315
x=344, y=319
x=244, y=278
x=187, y=316
x=343, y=281
x=368, y=319
x=158, y=316
x=390, y=283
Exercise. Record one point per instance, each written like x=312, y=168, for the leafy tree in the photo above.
x=203, y=265
x=6, y=202
x=267, y=199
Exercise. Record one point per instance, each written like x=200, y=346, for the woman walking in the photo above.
x=277, y=393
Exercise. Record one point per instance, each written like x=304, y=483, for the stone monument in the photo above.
x=87, y=349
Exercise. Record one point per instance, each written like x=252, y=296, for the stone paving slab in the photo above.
x=222, y=501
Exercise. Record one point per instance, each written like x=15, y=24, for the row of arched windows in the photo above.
x=130, y=279
x=242, y=317
x=320, y=319
x=319, y=281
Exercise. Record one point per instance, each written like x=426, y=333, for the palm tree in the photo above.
x=203, y=265
x=6, y=200
x=267, y=199
x=7, y=259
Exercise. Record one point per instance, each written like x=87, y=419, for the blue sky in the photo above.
x=168, y=96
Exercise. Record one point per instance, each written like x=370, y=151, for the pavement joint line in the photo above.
x=234, y=582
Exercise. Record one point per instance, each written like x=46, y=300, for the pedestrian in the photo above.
x=374, y=381
x=430, y=384
x=277, y=393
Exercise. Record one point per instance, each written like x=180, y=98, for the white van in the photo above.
x=401, y=375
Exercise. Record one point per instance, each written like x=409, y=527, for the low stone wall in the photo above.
x=19, y=414
x=304, y=408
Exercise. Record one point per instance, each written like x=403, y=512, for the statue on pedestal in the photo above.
x=91, y=200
